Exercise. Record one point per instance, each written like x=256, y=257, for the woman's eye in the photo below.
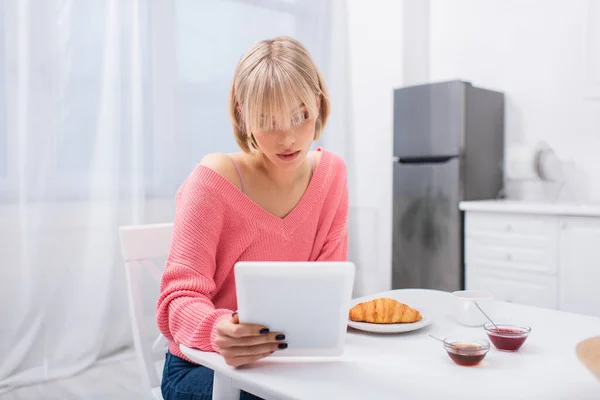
x=305, y=115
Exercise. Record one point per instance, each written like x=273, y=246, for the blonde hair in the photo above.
x=273, y=79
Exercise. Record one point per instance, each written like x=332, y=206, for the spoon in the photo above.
x=489, y=319
x=434, y=337
x=441, y=340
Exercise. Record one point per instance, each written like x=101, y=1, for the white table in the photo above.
x=414, y=366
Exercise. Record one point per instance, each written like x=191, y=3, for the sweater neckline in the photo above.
x=249, y=208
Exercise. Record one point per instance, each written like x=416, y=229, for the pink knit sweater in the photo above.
x=216, y=225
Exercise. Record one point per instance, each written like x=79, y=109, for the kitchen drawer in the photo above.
x=513, y=254
x=512, y=241
x=521, y=288
x=499, y=225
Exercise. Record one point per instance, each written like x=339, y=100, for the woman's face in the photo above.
x=288, y=148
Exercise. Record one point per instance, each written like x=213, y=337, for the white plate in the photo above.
x=393, y=328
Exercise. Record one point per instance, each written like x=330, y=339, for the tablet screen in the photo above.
x=307, y=301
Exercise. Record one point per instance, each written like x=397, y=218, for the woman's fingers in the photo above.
x=243, y=360
x=233, y=328
x=225, y=342
x=237, y=351
x=242, y=344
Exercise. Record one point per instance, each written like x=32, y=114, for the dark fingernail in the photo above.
x=263, y=331
x=282, y=346
x=234, y=314
x=280, y=337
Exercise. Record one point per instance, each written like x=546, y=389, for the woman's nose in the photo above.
x=287, y=139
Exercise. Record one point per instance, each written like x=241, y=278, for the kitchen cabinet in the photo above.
x=543, y=255
x=579, y=261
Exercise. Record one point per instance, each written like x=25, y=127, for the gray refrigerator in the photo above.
x=448, y=147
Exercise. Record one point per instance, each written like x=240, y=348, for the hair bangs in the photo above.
x=277, y=98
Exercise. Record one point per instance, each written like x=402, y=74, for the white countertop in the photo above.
x=414, y=366
x=532, y=207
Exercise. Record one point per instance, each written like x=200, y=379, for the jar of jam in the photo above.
x=507, y=337
x=465, y=351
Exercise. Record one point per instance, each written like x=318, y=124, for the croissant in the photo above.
x=384, y=311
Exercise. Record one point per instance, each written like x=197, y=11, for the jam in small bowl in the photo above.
x=466, y=352
x=507, y=337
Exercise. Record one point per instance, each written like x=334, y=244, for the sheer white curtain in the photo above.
x=105, y=107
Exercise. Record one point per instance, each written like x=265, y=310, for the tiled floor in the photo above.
x=115, y=380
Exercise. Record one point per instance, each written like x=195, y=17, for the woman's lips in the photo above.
x=289, y=155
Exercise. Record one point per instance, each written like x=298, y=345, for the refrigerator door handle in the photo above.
x=424, y=159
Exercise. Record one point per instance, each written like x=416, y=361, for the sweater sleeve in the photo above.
x=185, y=312
x=336, y=242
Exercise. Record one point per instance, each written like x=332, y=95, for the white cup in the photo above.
x=465, y=311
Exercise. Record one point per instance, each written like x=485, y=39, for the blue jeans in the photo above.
x=183, y=380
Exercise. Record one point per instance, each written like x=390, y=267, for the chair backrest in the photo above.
x=141, y=245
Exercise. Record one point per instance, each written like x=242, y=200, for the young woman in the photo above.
x=275, y=200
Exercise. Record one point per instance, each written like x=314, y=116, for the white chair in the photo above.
x=141, y=246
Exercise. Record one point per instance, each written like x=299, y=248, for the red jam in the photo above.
x=466, y=354
x=508, y=339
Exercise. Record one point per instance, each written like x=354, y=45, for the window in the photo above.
x=211, y=37
x=88, y=65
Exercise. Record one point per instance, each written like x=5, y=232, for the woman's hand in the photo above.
x=242, y=344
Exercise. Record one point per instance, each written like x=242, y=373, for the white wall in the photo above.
x=416, y=41
x=375, y=47
x=535, y=52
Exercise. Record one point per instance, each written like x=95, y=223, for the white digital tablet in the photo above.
x=307, y=301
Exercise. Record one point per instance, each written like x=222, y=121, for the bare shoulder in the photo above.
x=223, y=165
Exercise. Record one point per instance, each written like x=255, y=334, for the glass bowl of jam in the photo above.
x=465, y=351
x=507, y=337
